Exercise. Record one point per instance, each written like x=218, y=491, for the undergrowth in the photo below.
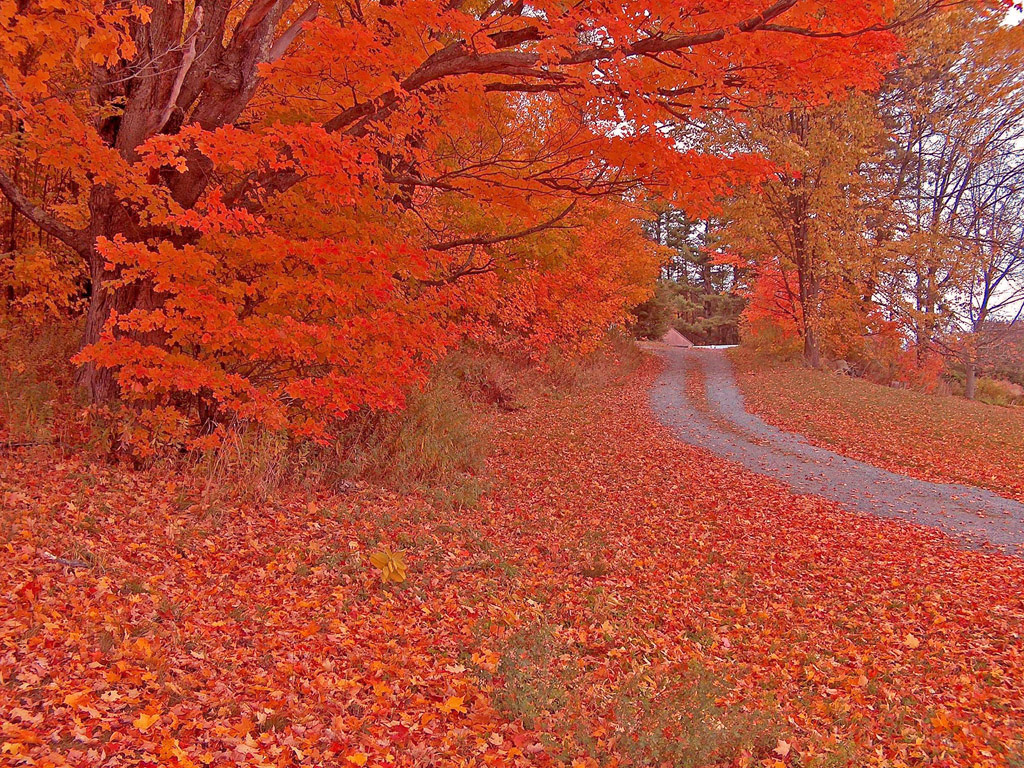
x=434, y=445
x=37, y=394
x=675, y=718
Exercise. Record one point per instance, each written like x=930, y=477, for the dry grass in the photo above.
x=430, y=445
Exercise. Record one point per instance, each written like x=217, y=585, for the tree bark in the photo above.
x=971, y=386
x=100, y=383
x=811, y=352
x=809, y=284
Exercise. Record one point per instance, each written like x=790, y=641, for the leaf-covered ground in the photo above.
x=617, y=598
x=931, y=437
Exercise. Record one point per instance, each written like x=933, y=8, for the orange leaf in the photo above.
x=76, y=699
x=144, y=722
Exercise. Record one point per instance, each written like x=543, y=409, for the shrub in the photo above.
x=426, y=446
x=488, y=378
x=768, y=338
x=679, y=721
x=617, y=356
x=996, y=392
x=676, y=719
x=432, y=441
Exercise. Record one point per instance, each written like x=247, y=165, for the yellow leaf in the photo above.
x=391, y=564
x=357, y=759
x=910, y=641
x=144, y=722
x=454, y=704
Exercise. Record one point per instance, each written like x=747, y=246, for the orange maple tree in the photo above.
x=285, y=212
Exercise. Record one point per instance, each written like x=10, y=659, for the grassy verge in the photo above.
x=933, y=437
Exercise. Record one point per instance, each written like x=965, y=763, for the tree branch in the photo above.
x=495, y=239
x=280, y=46
x=76, y=239
x=183, y=67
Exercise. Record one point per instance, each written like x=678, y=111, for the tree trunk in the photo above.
x=811, y=352
x=971, y=386
x=99, y=383
x=104, y=301
x=810, y=292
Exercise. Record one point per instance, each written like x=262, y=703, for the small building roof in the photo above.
x=674, y=338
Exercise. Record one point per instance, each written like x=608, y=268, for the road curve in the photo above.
x=723, y=426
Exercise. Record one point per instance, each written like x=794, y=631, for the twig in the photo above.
x=6, y=447
x=64, y=561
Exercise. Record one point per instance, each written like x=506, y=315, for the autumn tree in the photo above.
x=955, y=108
x=287, y=211
x=995, y=288
x=804, y=231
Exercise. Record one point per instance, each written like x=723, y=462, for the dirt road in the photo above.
x=718, y=422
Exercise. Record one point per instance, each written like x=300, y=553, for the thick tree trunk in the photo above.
x=972, y=353
x=105, y=301
x=99, y=383
x=810, y=293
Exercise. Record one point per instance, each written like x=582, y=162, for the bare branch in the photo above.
x=186, y=63
x=280, y=46
x=495, y=239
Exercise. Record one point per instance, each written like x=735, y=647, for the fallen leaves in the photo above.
x=76, y=699
x=453, y=704
x=232, y=635
x=146, y=721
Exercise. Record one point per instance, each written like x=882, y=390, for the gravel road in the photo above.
x=723, y=426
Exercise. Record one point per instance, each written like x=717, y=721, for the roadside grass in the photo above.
x=933, y=437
